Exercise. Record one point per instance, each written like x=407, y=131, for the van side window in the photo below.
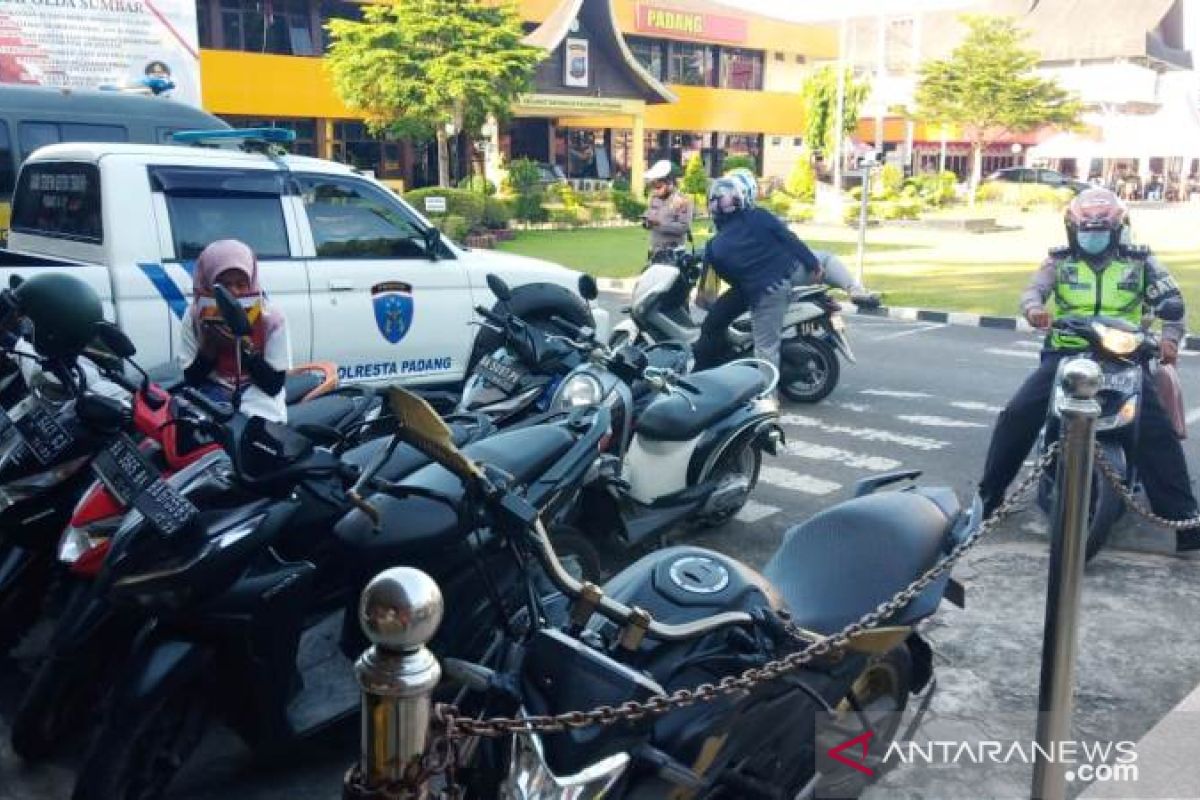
x=40, y=134
x=59, y=200
x=37, y=134
x=205, y=205
x=8, y=169
x=351, y=219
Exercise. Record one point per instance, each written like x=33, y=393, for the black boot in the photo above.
x=1187, y=540
x=991, y=502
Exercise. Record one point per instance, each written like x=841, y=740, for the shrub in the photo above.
x=779, y=203
x=459, y=203
x=524, y=177
x=599, y=212
x=802, y=181
x=529, y=208
x=497, y=213
x=454, y=227
x=564, y=193
x=620, y=183
x=478, y=185
x=695, y=178
x=888, y=182
x=1023, y=195
x=565, y=216
x=801, y=212
x=934, y=188
x=628, y=206
x=739, y=162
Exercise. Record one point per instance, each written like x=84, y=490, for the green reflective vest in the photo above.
x=1119, y=290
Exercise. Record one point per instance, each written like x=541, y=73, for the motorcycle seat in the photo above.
x=806, y=292
x=413, y=523
x=331, y=410
x=405, y=459
x=671, y=419
x=297, y=385
x=846, y=560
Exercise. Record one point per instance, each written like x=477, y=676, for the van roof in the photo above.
x=176, y=154
x=61, y=104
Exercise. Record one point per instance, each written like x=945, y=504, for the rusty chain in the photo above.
x=452, y=726
x=1131, y=501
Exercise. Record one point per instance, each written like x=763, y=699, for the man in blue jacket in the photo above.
x=756, y=254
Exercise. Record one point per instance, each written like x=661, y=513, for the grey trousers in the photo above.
x=766, y=318
x=837, y=274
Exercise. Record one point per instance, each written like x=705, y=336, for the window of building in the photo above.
x=351, y=219
x=780, y=57
x=798, y=141
x=353, y=144
x=39, y=134
x=8, y=167
x=776, y=141
x=61, y=201
x=587, y=154
x=741, y=69
x=899, y=46
x=305, y=130
x=268, y=26
x=691, y=64
x=649, y=53
x=800, y=59
x=742, y=144
x=204, y=31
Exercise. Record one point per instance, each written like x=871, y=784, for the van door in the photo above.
x=203, y=204
x=382, y=309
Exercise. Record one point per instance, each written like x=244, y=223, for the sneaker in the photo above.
x=865, y=299
x=1187, y=540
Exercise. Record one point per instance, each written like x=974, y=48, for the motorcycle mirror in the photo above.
x=419, y=425
x=499, y=288
x=232, y=311
x=115, y=340
x=1171, y=310
x=588, y=289
x=14, y=281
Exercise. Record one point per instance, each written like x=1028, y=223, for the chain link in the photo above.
x=453, y=726
x=1131, y=501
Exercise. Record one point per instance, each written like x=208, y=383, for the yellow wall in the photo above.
x=267, y=85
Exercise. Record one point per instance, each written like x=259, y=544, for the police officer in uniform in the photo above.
x=668, y=214
x=1098, y=275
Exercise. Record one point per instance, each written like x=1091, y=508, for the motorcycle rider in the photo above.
x=1096, y=271
x=668, y=215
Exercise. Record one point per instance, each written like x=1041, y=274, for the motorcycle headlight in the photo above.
x=529, y=778
x=77, y=541
x=20, y=489
x=580, y=390
x=1119, y=343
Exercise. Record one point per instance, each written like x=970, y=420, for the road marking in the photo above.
x=1036, y=526
x=755, y=511
x=924, y=329
x=1192, y=416
x=895, y=393
x=866, y=434
x=796, y=482
x=819, y=452
x=937, y=422
x=970, y=405
x=1000, y=351
x=1030, y=345
x=858, y=408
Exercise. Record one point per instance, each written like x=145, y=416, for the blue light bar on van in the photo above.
x=269, y=135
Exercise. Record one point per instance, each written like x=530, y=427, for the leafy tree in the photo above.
x=819, y=96
x=414, y=67
x=989, y=87
x=695, y=179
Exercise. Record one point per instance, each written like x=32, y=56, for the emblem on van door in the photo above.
x=393, y=302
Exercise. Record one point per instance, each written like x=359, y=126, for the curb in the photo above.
x=625, y=286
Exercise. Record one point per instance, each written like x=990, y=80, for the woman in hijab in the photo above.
x=209, y=352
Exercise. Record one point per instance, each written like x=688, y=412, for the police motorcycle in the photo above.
x=243, y=607
x=91, y=634
x=687, y=616
x=71, y=413
x=1125, y=353
x=814, y=331
x=517, y=379
x=684, y=448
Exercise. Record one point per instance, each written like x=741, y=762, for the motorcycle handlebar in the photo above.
x=219, y=412
x=491, y=316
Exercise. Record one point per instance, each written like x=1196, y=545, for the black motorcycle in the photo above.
x=687, y=616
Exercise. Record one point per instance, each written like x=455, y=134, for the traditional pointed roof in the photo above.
x=600, y=17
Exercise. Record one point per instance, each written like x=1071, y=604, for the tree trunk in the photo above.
x=976, y=168
x=443, y=158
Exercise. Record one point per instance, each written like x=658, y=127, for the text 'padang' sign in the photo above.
x=674, y=22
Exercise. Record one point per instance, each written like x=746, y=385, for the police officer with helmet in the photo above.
x=1098, y=274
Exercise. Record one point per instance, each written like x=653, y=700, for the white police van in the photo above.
x=365, y=280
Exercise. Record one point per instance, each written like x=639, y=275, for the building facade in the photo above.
x=705, y=79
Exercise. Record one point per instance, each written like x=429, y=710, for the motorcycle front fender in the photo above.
x=841, y=343
x=158, y=666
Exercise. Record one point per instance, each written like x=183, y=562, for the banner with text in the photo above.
x=128, y=45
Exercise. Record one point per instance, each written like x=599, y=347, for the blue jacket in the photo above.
x=754, y=251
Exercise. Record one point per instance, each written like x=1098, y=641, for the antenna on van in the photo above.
x=267, y=141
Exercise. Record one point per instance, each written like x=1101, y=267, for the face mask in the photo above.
x=1093, y=242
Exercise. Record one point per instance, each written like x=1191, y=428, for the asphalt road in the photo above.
x=922, y=396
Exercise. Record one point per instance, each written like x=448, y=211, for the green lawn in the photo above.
x=905, y=274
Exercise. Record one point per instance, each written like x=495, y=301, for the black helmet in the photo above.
x=63, y=311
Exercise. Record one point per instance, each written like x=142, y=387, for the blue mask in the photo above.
x=1093, y=242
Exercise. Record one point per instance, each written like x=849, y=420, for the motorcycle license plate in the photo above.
x=134, y=481
x=838, y=323
x=1124, y=381
x=810, y=328
x=498, y=374
x=41, y=432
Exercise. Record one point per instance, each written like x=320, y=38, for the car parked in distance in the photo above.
x=1045, y=177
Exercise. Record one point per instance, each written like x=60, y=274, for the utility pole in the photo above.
x=841, y=104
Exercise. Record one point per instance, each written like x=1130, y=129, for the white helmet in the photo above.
x=661, y=170
x=749, y=184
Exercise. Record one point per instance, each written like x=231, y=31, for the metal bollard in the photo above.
x=400, y=610
x=1080, y=382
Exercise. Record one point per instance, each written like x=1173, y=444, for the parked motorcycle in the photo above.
x=518, y=379
x=814, y=331
x=1124, y=353
x=687, y=616
x=683, y=447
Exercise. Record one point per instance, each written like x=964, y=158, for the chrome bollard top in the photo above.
x=1081, y=379
x=400, y=609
